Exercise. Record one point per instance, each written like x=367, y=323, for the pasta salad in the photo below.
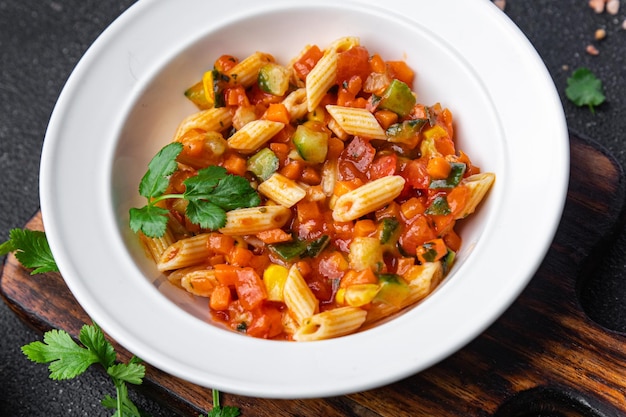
x=310, y=199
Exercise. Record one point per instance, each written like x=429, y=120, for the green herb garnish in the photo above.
x=209, y=194
x=585, y=89
x=31, y=249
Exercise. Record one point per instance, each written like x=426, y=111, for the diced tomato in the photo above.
x=353, y=62
x=250, y=289
x=416, y=174
x=415, y=234
x=266, y=322
x=383, y=166
x=355, y=159
x=307, y=61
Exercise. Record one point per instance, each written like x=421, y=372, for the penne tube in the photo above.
x=343, y=44
x=331, y=323
x=199, y=282
x=422, y=280
x=157, y=245
x=215, y=119
x=253, y=135
x=185, y=252
x=282, y=190
x=367, y=198
x=296, y=104
x=356, y=121
x=477, y=185
x=299, y=298
x=320, y=79
x=249, y=221
x=245, y=73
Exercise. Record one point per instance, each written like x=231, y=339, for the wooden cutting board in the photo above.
x=544, y=356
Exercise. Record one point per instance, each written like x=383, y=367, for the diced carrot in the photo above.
x=284, y=135
x=457, y=199
x=335, y=146
x=220, y=243
x=308, y=210
x=310, y=176
x=412, y=207
x=390, y=210
x=235, y=164
x=345, y=98
x=470, y=169
x=220, y=298
x=292, y=170
x=226, y=274
x=239, y=256
x=438, y=167
x=342, y=187
x=353, y=277
x=432, y=250
x=360, y=103
x=217, y=259
x=401, y=71
x=403, y=265
x=304, y=268
x=274, y=236
x=277, y=112
x=386, y=118
x=453, y=240
x=377, y=64
x=446, y=116
x=266, y=323
x=363, y=228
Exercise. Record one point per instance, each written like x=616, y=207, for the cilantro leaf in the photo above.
x=93, y=339
x=234, y=192
x=31, y=249
x=132, y=373
x=585, y=89
x=155, y=181
x=67, y=359
x=209, y=195
x=151, y=220
x=206, y=214
x=219, y=411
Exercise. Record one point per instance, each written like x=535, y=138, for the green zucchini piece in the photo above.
x=405, y=131
x=393, y=289
x=263, y=164
x=398, y=98
x=389, y=229
x=312, y=145
x=273, y=79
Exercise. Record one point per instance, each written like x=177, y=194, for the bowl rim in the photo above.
x=64, y=237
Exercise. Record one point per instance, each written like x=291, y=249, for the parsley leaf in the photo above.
x=31, y=249
x=209, y=195
x=219, y=411
x=68, y=359
x=585, y=89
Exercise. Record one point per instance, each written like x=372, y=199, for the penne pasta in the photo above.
x=185, y=252
x=199, y=282
x=331, y=323
x=296, y=104
x=320, y=79
x=254, y=134
x=299, y=298
x=249, y=221
x=477, y=185
x=357, y=122
x=214, y=119
x=282, y=190
x=367, y=198
x=245, y=73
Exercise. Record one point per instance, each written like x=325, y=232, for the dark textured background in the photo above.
x=42, y=40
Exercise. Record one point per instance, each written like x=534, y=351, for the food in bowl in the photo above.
x=310, y=199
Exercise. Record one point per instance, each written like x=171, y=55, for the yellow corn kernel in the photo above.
x=274, y=278
x=360, y=294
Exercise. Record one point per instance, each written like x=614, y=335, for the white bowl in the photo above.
x=124, y=100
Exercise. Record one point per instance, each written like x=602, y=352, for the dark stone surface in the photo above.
x=42, y=40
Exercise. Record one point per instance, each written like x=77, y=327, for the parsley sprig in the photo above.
x=585, y=89
x=68, y=359
x=209, y=194
x=31, y=249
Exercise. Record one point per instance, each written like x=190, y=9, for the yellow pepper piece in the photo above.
x=360, y=294
x=274, y=278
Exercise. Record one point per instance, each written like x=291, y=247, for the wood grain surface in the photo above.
x=542, y=357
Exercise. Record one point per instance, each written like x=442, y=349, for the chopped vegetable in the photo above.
x=274, y=79
x=311, y=144
x=263, y=164
x=457, y=170
x=398, y=98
